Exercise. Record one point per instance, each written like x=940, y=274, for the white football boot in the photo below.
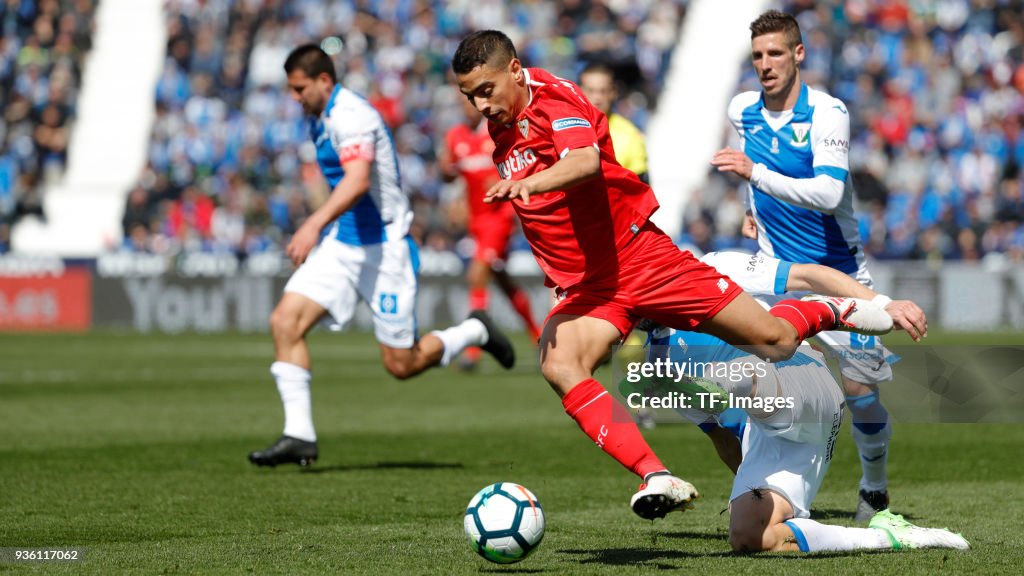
x=903, y=534
x=662, y=493
x=856, y=314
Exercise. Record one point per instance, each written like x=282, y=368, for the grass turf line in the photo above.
x=133, y=447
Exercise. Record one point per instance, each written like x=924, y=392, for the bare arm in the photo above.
x=446, y=162
x=352, y=187
x=824, y=280
x=576, y=167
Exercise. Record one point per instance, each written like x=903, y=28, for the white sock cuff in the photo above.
x=470, y=332
x=289, y=371
x=812, y=536
x=477, y=332
x=446, y=354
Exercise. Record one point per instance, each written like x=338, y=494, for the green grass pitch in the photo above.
x=133, y=448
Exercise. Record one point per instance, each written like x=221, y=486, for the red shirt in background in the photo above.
x=470, y=151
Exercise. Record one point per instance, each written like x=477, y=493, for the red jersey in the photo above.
x=470, y=151
x=577, y=233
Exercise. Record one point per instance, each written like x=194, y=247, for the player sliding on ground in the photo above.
x=796, y=409
x=587, y=220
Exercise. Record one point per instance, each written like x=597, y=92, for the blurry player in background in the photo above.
x=795, y=156
x=598, y=83
x=354, y=247
x=587, y=221
x=796, y=412
x=467, y=154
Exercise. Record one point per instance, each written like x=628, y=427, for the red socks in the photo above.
x=478, y=298
x=610, y=426
x=808, y=318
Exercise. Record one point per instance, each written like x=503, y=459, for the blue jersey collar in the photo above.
x=801, y=106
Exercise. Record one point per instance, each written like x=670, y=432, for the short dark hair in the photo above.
x=598, y=67
x=312, y=61
x=775, y=21
x=489, y=47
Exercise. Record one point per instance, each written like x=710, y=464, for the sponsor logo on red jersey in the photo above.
x=518, y=161
x=566, y=123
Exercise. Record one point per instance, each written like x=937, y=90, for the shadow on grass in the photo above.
x=398, y=465
x=826, y=514
x=655, y=558
x=514, y=570
x=695, y=535
x=632, y=556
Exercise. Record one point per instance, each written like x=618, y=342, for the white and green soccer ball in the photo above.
x=504, y=522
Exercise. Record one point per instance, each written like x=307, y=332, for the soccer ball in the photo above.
x=504, y=522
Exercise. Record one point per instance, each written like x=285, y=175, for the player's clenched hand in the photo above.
x=508, y=190
x=302, y=243
x=908, y=316
x=729, y=160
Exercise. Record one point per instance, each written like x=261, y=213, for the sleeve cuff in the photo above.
x=782, y=276
x=757, y=174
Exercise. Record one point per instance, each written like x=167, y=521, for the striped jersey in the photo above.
x=811, y=140
x=348, y=129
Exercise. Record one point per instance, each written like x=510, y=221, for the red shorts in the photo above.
x=655, y=280
x=492, y=233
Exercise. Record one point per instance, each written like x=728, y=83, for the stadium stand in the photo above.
x=230, y=167
x=935, y=91
x=42, y=51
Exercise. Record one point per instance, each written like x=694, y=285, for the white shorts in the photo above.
x=861, y=358
x=337, y=275
x=790, y=452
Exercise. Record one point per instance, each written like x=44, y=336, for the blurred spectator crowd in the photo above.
x=231, y=168
x=935, y=91
x=936, y=98
x=43, y=44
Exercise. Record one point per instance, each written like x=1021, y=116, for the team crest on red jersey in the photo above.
x=524, y=127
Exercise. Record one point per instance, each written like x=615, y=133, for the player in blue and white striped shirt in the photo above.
x=354, y=247
x=795, y=155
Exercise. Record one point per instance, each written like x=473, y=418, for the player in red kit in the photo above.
x=467, y=154
x=586, y=218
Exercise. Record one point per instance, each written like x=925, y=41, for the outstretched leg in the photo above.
x=571, y=347
x=441, y=346
x=775, y=334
